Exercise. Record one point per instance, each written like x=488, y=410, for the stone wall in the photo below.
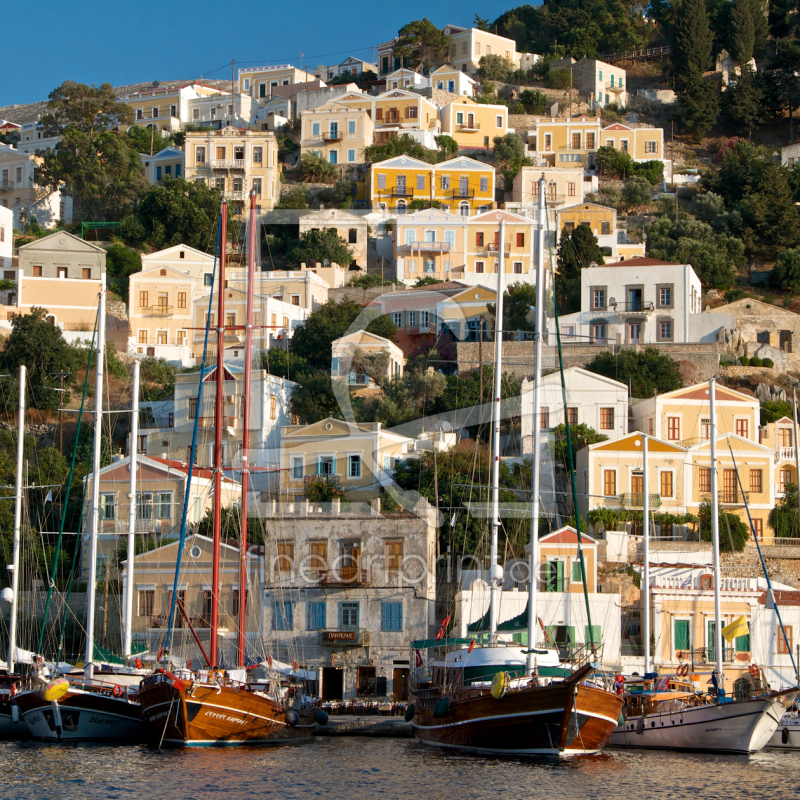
x=116, y=308
x=518, y=357
x=782, y=564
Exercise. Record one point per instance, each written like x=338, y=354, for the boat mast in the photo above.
x=126, y=646
x=498, y=376
x=715, y=535
x=218, y=419
x=533, y=565
x=12, y=627
x=248, y=354
x=646, y=555
x=96, y=461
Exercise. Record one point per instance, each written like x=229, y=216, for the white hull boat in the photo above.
x=787, y=736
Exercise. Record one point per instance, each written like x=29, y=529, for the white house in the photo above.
x=452, y=80
x=639, y=301
x=350, y=66
x=344, y=349
x=166, y=163
x=406, y=79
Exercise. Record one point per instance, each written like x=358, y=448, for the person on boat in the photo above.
x=619, y=684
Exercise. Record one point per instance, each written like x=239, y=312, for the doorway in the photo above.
x=400, y=684
x=332, y=683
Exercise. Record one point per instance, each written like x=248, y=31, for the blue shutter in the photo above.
x=385, y=616
x=177, y=170
x=319, y=465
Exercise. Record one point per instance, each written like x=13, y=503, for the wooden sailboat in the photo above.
x=664, y=716
x=206, y=708
x=84, y=709
x=486, y=710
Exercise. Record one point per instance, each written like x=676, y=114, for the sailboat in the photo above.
x=87, y=709
x=493, y=699
x=670, y=715
x=208, y=708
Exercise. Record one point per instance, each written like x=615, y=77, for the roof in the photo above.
x=783, y=597
x=197, y=472
x=641, y=261
x=436, y=287
x=566, y=535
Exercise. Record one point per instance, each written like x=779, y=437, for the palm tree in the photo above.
x=316, y=169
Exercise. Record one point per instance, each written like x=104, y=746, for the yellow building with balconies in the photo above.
x=396, y=112
x=167, y=108
x=484, y=246
x=642, y=144
x=259, y=82
x=337, y=132
x=237, y=162
x=473, y=125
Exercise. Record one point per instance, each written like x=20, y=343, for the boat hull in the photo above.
x=744, y=727
x=786, y=737
x=85, y=717
x=200, y=715
x=565, y=718
x=8, y=728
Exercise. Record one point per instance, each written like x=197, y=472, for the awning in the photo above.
x=518, y=623
x=425, y=644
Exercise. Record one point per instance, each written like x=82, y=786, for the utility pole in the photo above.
x=152, y=133
x=233, y=81
x=61, y=376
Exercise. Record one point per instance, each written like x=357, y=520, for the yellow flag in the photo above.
x=737, y=628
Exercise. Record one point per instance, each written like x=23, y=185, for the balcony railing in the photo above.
x=157, y=311
x=612, y=88
x=6, y=186
x=728, y=497
x=346, y=637
x=401, y=191
x=234, y=195
x=462, y=194
x=784, y=454
x=345, y=576
x=636, y=307
x=468, y=126
x=332, y=136
x=631, y=500
x=493, y=248
x=227, y=163
x=431, y=247
x=555, y=199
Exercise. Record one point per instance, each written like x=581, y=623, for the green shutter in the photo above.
x=571, y=634
x=591, y=634
x=711, y=642
x=559, y=576
x=742, y=643
x=577, y=572
x=681, y=628
x=319, y=465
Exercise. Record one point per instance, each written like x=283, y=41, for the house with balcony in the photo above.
x=260, y=82
x=350, y=66
x=28, y=200
x=449, y=79
x=602, y=220
x=484, y=248
x=603, y=84
x=33, y=139
x=160, y=303
x=781, y=437
x=165, y=164
x=352, y=346
x=337, y=132
x=429, y=243
x=358, y=457
x=160, y=496
x=640, y=301
x=462, y=185
x=642, y=143
x=237, y=162
x=353, y=228
x=473, y=125
x=166, y=108
x=563, y=187
x=222, y=110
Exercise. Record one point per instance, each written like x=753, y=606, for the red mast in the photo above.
x=248, y=348
x=218, y=407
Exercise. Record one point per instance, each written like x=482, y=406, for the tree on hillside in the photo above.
x=637, y=192
x=509, y=153
x=742, y=33
x=179, y=212
x=98, y=168
x=321, y=245
x=331, y=321
x=580, y=436
x=121, y=263
x=315, y=168
x=577, y=250
x=733, y=532
x=692, y=39
x=519, y=301
x=698, y=101
x=403, y=145
x=742, y=105
x=785, y=275
x=283, y=363
x=495, y=67
x=421, y=42
x=647, y=372
x=783, y=517
x=147, y=140
x=314, y=399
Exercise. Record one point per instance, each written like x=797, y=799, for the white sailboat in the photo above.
x=673, y=716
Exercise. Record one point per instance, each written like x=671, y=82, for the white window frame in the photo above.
x=297, y=465
x=351, y=462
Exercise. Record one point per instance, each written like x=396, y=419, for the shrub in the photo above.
x=768, y=363
x=755, y=361
x=744, y=361
x=558, y=78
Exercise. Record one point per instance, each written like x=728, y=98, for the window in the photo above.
x=599, y=332
x=256, y=182
x=445, y=183
x=599, y=298
x=783, y=648
x=163, y=301
x=705, y=428
x=477, y=48
x=318, y=555
x=317, y=616
x=498, y=121
x=479, y=266
x=144, y=505
x=181, y=299
x=576, y=141
x=285, y=556
x=665, y=297
x=609, y=483
x=62, y=272
x=518, y=268
x=273, y=407
x=146, y=601
x=86, y=273
x=348, y=615
x=397, y=318
x=37, y=272
x=297, y=468
x=681, y=637
x=333, y=157
x=673, y=429
x=651, y=147
x=108, y=506
x=577, y=572
x=352, y=235
x=208, y=279
x=192, y=408
x=142, y=337
x=235, y=610
x=284, y=615
x=590, y=138
x=705, y=479
x=381, y=181
x=164, y=505
x=756, y=484
x=607, y=419
x=742, y=428
x=392, y=617
x=351, y=156
x=544, y=418
x=144, y=299
x=393, y=553
x=554, y=576
x=666, y=484
x=520, y=240
x=354, y=466
x=605, y=228
x=572, y=415
x=758, y=527
x=200, y=155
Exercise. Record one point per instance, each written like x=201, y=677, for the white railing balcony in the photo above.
x=784, y=454
x=227, y=163
x=234, y=195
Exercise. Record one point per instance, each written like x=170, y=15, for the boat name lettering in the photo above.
x=104, y=721
x=708, y=730
x=225, y=717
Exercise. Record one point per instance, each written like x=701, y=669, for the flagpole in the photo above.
x=12, y=627
x=131, y=555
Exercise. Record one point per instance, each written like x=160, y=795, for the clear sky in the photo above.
x=93, y=42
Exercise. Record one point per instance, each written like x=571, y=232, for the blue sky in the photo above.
x=93, y=42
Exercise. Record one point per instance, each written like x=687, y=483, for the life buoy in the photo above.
x=439, y=635
x=138, y=662
x=117, y=691
x=446, y=621
x=499, y=685
x=683, y=670
x=753, y=669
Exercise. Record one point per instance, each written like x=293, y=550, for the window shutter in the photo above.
x=319, y=465
x=571, y=634
x=592, y=634
x=559, y=576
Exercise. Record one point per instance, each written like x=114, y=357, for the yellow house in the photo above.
x=450, y=79
x=642, y=144
x=461, y=313
x=461, y=184
x=359, y=457
x=259, y=82
x=237, y=162
x=307, y=288
x=396, y=112
x=337, y=132
x=474, y=125
x=781, y=438
x=483, y=246
x=345, y=347
x=603, y=222
x=562, y=187
x=560, y=559
x=167, y=108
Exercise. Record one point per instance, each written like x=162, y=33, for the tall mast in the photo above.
x=646, y=555
x=12, y=627
x=715, y=535
x=533, y=565
x=96, y=460
x=218, y=407
x=248, y=355
x=498, y=373
x=796, y=440
x=126, y=646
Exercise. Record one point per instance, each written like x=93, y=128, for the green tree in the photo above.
x=317, y=169
x=742, y=32
x=646, y=372
x=733, y=533
x=519, y=301
x=320, y=245
x=41, y=347
x=535, y=102
x=147, y=140
x=121, y=263
x=331, y=321
x=340, y=195
x=773, y=410
x=509, y=153
x=742, y=106
x=692, y=39
x=314, y=399
x=577, y=250
x=231, y=525
x=447, y=145
x=180, y=212
x=403, y=145
x=637, y=192
x=785, y=275
x=699, y=102
x=428, y=280
x=783, y=517
x=158, y=375
x=283, y=363
x=480, y=23
x=495, y=67
x=463, y=391
x=420, y=43
x=580, y=436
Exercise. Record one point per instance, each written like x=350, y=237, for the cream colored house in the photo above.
x=160, y=303
x=345, y=348
x=449, y=79
x=781, y=438
x=405, y=78
x=27, y=200
x=337, y=132
x=167, y=108
x=237, y=162
x=474, y=125
x=359, y=457
x=563, y=187
x=259, y=82
x=306, y=288
x=353, y=228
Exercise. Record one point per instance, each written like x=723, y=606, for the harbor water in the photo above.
x=365, y=768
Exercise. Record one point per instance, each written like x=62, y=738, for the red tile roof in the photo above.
x=782, y=598
x=197, y=472
x=641, y=261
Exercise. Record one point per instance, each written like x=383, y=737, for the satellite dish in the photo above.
x=7, y=595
